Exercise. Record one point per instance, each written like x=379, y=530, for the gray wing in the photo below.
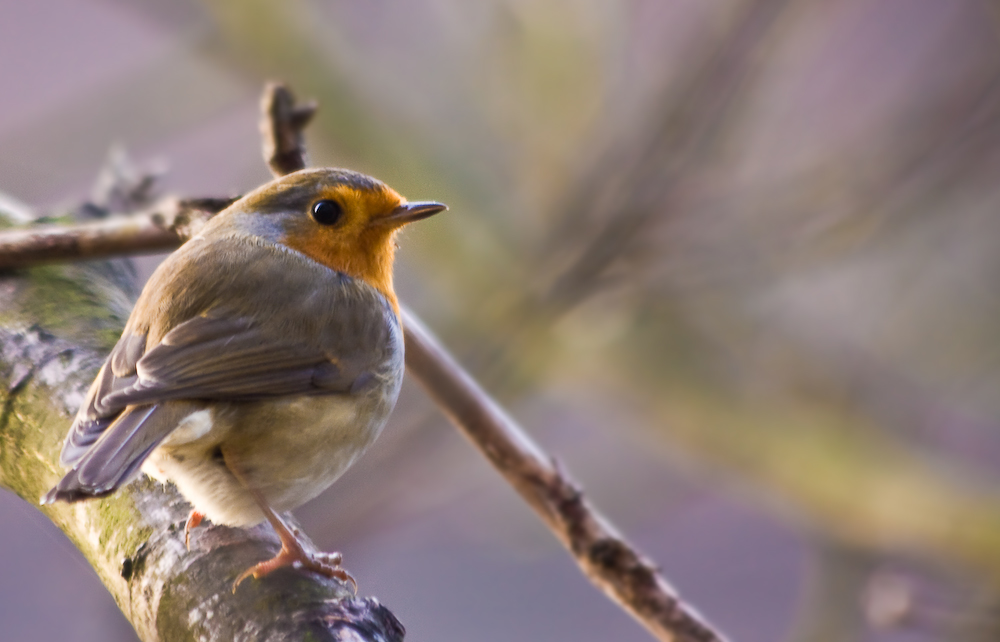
x=230, y=359
x=209, y=357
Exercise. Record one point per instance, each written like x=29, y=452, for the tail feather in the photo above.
x=114, y=458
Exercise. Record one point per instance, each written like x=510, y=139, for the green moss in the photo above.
x=31, y=433
x=71, y=303
x=117, y=514
x=168, y=627
x=24, y=427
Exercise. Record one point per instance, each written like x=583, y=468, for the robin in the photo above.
x=261, y=359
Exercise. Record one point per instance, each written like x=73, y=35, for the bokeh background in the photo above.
x=735, y=262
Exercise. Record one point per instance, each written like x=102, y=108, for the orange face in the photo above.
x=360, y=243
x=341, y=219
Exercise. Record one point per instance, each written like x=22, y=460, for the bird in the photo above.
x=262, y=358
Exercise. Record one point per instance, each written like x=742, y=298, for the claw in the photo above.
x=326, y=564
x=193, y=520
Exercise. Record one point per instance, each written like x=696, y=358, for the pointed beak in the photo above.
x=415, y=211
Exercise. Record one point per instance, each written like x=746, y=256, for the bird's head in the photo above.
x=342, y=219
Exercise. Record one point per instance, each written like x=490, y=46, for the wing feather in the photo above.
x=116, y=455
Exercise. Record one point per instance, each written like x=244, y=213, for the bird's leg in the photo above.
x=292, y=552
x=194, y=519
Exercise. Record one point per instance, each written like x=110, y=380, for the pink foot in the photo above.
x=194, y=519
x=292, y=554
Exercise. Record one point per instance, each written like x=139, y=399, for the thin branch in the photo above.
x=610, y=563
x=281, y=125
x=163, y=227
x=605, y=558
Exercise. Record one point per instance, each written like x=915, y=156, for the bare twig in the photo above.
x=606, y=558
x=163, y=227
x=281, y=125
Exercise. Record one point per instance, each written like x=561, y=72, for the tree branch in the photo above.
x=162, y=227
x=605, y=558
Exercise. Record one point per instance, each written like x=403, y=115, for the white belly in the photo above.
x=289, y=450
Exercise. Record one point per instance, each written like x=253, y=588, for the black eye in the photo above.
x=327, y=212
